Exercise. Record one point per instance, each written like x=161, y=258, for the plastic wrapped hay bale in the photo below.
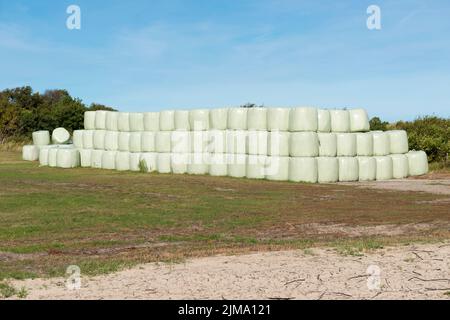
x=367, y=168
x=182, y=120
x=237, y=165
x=67, y=158
x=323, y=120
x=236, y=141
x=41, y=138
x=218, y=119
x=340, y=121
x=124, y=141
x=135, y=142
x=148, y=141
x=256, y=167
x=218, y=164
x=151, y=121
x=359, y=120
x=167, y=120
x=123, y=161
x=123, y=121
x=112, y=121
x=180, y=162
x=88, y=139
x=199, y=142
x=148, y=161
x=278, y=119
x=277, y=168
x=100, y=119
x=400, y=166
x=398, y=141
x=199, y=120
x=303, y=144
x=278, y=144
x=237, y=118
x=89, y=120
x=303, y=119
x=52, y=157
x=112, y=140
x=364, y=144
x=85, y=158
x=43, y=154
x=198, y=163
x=109, y=160
x=163, y=162
x=77, y=138
x=327, y=169
x=180, y=142
x=327, y=144
x=348, y=169
x=60, y=136
x=257, y=142
x=96, y=158
x=99, y=139
x=257, y=119
x=381, y=143
x=135, y=160
x=346, y=144
x=384, y=168
x=162, y=141
x=30, y=153
x=418, y=163
x=217, y=141
x=303, y=169
x=136, y=121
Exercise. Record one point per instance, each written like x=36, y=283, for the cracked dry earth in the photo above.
x=406, y=272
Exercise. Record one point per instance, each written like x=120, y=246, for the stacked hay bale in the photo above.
x=302, y=144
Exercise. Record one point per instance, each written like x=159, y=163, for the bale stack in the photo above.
x=302, y=144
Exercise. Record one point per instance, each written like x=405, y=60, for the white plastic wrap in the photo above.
x=199, y=141
x=112, y=118
x=278, y=144
x=400, y=166
x=109, y=160
x=218, y=164
x=77, y=138
x=151, y=121
x=237, y=165
x=278, y=119
x=257, y=142
x=327, y=144
x=148, y=141
x=323, y=120
x=89, y=120
x=364, y=144
x=99, y=139
x=136, y=122
x=303, y=144
x=327, y=169
x=30, y=153
x=124, y=141
x=180, y=162
x=167, y=120
x=346, y=144
x=123, y=121
x=135, y=142
x=67, y=158
x=367, y=168
x=303, y=119
x=418, y=163
x=398, y=141
x=60, y=136
x=123, y=161
x=135, y=159
x=148, y=160
x=88, y=139
x=85, y=158
x=237, y=118
x=43, y=154
x=52, y=157
x=112, y=140
x=340, y=121
x=348, y=169
x=256, y=167
x=236, y=141
x=41, y=138
x=180, y=142
x=359, y=120
x=303, y=169
x=217, y=141
x=384, y=168
x=162, y=141
x=381, y=143
x=218, y=119
x=257, y=119
x=277, y=168
x=198, y=163
x=100, y=120
x=164, y=163
x=199, y=120
x=182, y=120
x=96, y=158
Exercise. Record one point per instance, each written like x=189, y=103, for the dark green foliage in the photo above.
x=377, y=124
x=251, y=105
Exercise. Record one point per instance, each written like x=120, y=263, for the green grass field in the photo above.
x=106, y=220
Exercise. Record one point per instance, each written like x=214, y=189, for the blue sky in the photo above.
x=184, y=54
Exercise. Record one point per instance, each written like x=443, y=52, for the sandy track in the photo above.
x=406, y=272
